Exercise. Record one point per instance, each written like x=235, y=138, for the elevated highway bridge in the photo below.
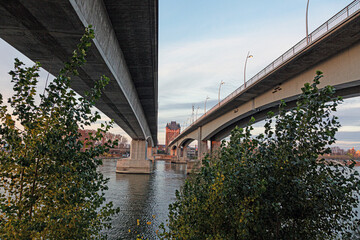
x=125, y=49
x=333, y=48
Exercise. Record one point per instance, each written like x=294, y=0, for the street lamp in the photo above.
x=247, y=57
x=205, y=104
x=197, y=112
x=188, y=122
x=222, y=82
x=307, y=32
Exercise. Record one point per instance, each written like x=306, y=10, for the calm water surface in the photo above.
x=141, y=196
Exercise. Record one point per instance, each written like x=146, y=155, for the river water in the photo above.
x=141, y=196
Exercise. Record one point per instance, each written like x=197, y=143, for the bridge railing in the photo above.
x=337, y=19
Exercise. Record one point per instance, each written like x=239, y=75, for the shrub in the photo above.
x=51, y=189
x=273, y=186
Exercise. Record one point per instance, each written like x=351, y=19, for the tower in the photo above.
x=172, y=131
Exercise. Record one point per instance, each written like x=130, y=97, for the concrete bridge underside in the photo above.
x=125, y=49
x=337, y=54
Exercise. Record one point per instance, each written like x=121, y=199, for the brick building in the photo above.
x=121, y=150
x=172, y=130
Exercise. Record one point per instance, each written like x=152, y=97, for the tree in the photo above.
x=273, y=186
x=51, y=189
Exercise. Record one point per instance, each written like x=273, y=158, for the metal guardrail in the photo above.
x=337, y=19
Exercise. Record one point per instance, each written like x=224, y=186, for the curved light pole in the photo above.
x=205, y=104
x=307, y=28
x=247, y=57
x=222, y=82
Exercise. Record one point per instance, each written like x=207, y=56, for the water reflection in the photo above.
x=141, y=196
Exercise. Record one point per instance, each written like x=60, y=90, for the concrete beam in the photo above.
x=94, y=13
x=48, y=31
x=341, y=71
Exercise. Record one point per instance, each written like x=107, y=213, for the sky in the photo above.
x=204, y=42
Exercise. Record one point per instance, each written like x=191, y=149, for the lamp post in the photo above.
x=192, y=114
x=247, y=57
x=222, y=82
x=197, y=112
x=307, y=28
x=205, y=104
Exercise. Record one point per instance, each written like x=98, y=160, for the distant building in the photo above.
x=192, y=152
x=160, y=148
x=337, y=151
x=121, y=150
x=172, y=131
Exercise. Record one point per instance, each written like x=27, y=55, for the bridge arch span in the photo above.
x=218, y=131
x=186, y=142
x=342, y=70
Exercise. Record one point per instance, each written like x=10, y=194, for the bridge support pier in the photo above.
x=179, y=155
x=138, y=161
x=150, y=153
x=202, y=149
x=215, y=146
x=183, y=156
x=173, y=152
x=194, y=165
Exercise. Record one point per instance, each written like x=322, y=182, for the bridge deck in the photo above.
x=125, y=50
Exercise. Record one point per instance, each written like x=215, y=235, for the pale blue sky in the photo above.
x=202, y=42
x=193, y=20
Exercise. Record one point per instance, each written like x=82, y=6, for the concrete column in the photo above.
x=174, y=155
x=138, y=162
x=185, y=152
x=195, y=165
x=177, y=155
x=183, y=158
x=202, y=149
x=202, y=145
x=215, y=146
x=178, y=151
x=150, y=154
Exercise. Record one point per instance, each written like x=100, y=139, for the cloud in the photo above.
x=189, y=71
x=350, y=104
x=352, y=129
x=348, y=144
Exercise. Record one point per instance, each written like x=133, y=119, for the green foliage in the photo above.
x=51, y=189
x=273, y=186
